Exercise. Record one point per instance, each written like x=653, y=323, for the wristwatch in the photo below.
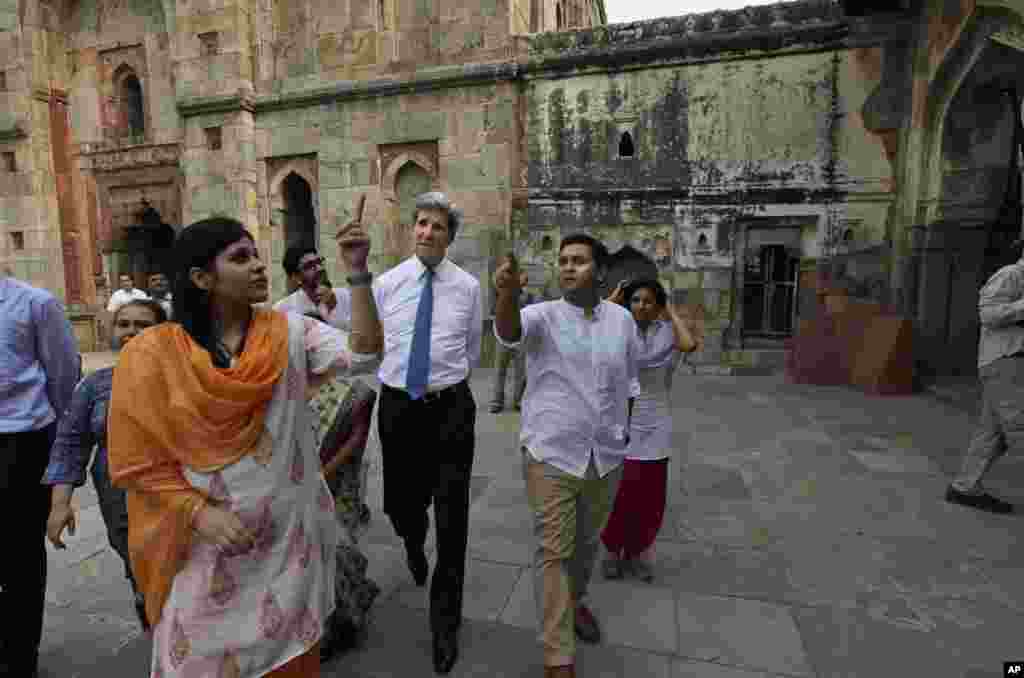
x=360, y=279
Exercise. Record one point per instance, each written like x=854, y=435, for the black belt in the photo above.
x=429, y=396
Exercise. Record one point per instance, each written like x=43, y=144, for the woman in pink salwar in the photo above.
x=232, y=531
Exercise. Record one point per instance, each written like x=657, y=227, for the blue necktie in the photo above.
x=419, y=356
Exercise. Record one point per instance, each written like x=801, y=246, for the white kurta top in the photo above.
x=651, y=426
x=579, y=377
x=299, y=302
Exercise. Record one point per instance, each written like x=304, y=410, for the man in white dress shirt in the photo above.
x=126, y=293
x=305, y=268
x=160, y=292
x=431, y=318
x=581, y=375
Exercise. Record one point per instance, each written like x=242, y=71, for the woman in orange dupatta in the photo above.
x=232, y=531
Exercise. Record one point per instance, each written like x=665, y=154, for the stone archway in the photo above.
x=292, y=211
x=148, y=244
x=299, y=212
x=407, y=174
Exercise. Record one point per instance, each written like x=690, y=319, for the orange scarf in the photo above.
x=170, y=408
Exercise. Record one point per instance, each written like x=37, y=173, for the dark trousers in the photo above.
x=26, y=504
x=114, y=509
x=427, y=451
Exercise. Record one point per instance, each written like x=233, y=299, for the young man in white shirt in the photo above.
x=581, y=375
x=126, y=293
x=160, y=292
x=305, y=269
x=431, y=318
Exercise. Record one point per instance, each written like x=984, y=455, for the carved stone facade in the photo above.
x=813, y=136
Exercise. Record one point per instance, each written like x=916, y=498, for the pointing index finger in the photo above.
x=360, y=204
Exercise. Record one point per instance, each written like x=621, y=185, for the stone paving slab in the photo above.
x=805, y=536
x=740, y=632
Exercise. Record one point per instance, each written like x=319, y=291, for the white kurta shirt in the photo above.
x=580, y=375
x=651, y=429
x=299, y=302
x=456, y=328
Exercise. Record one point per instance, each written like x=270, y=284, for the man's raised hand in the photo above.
x=506, y=278
x=353, y=241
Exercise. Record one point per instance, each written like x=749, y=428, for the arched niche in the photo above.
x=407, y=175
x=131, y=102
x=299, y=210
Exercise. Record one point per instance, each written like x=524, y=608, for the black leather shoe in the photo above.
x=140, y=611
x=418, y=565
x=982, y=501
x=446, y=651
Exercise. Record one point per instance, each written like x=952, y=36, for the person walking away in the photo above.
x=231, y=530
x=640, y=502
x=581, y=367
x=427, y=413
x=83, y=427
x=39, y=367
x=1001, y=372
x=506, y=356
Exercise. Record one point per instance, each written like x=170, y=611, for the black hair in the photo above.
x=660, y=295
x=155, y=308
x=597, y=248
x=315, y=316
x=293, y=255
x=196, y=247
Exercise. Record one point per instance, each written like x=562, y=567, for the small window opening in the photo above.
x=17, y=240
x=546, y=243
x=10, y=163
x=702, y=241
x=559, y=22
x=210, y=42
x=848, y=235
x=131, y=98
x=214, y=138
x=3, y=81
x=626, y=149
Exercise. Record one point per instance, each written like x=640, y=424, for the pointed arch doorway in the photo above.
x=300, y=210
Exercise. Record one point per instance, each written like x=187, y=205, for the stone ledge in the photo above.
x=686, y=48
x=425, y=81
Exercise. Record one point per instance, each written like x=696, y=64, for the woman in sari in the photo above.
x=343, y=408
x=232, y=532
x=84, y=427
x=640, y=502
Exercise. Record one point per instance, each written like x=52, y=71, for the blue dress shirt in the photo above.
x=82, y=427
x=39, y=361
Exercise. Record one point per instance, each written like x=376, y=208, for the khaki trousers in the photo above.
x=1001, y=424
x=568, y=516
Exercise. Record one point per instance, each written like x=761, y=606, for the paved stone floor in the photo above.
x=806, y=536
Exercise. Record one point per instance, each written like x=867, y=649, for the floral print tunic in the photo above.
x=245, y=614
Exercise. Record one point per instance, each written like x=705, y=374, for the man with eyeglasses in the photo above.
x=305, y=269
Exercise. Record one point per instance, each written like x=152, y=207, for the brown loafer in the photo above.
x=587, y=628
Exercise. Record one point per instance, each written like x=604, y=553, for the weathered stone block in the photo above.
x=463, y=172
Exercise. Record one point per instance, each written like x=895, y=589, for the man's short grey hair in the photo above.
x=435, y=200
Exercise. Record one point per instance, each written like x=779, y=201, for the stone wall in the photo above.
x=735, y=121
